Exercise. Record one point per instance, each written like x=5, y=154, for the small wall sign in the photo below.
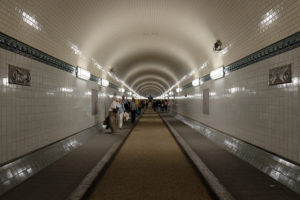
x=18, y=75
x=280, y=75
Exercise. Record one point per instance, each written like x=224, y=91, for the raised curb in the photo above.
x=218, y=188
x=90, y=178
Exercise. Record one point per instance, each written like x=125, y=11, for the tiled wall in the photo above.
x=56, y=105
x=243, y=105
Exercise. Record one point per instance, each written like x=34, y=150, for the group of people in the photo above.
x=160, y=105
x=119, y=112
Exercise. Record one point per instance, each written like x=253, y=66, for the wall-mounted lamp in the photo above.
x=196, y=82
x=104, y=82
x=178, y=90
x=217, y=73
x=121, y=90
x=83, y=74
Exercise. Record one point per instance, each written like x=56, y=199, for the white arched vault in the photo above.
x=150, y=86
x=147, y=90
x=143, y=78
x=151, y=83
x=137, y=39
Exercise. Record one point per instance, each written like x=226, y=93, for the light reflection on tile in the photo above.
x=52, y=108
x=279, y=169
x=243, y=105
x=23, y=168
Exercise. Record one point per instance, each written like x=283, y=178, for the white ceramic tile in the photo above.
x=246, y=107
x=35, y=116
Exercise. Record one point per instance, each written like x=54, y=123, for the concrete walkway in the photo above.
x=150, y=165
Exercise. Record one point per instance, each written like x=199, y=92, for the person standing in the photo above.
x=133, y=108
x=125, y=104
x=154, y=103
x=121, y=111
x=112, y=115
x=166, y=103
x=158, y=103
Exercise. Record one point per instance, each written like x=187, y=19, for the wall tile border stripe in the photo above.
x=282, y=46
x=286, y=44
x=11, y=44
x=111, y=85
x=274, y=49
x=18, y=47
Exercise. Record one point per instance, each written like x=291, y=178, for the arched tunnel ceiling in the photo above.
x=154, y=41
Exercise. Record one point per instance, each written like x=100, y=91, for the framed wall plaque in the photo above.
x=18, y=75
x=280, y=75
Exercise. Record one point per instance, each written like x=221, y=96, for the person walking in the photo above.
x=112, y=115
x=133, y=108
x=120, y=114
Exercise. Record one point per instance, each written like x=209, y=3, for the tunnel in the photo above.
x=149, y=99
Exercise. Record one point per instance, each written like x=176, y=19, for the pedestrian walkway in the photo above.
x=241, y=179
x=150, y=165
x=61, y=178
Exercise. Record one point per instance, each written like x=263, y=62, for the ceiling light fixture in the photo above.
x=196, y=82
x=83, y=74
x=178, y=90
x=30, y=20
x=104, y=82
x=121, y=90
x=217, y=73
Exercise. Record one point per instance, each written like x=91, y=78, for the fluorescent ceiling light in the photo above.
x=217, y=73
x=83, y=74
x=121, y=90
x=69, y=90
x=75, y=49
x=31, y=21
x=178, y=90
x=196, y=82
x=104, y=82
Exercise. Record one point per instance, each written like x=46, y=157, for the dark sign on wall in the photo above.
x=280, y=75
x=206, y=101
x=18, y=75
